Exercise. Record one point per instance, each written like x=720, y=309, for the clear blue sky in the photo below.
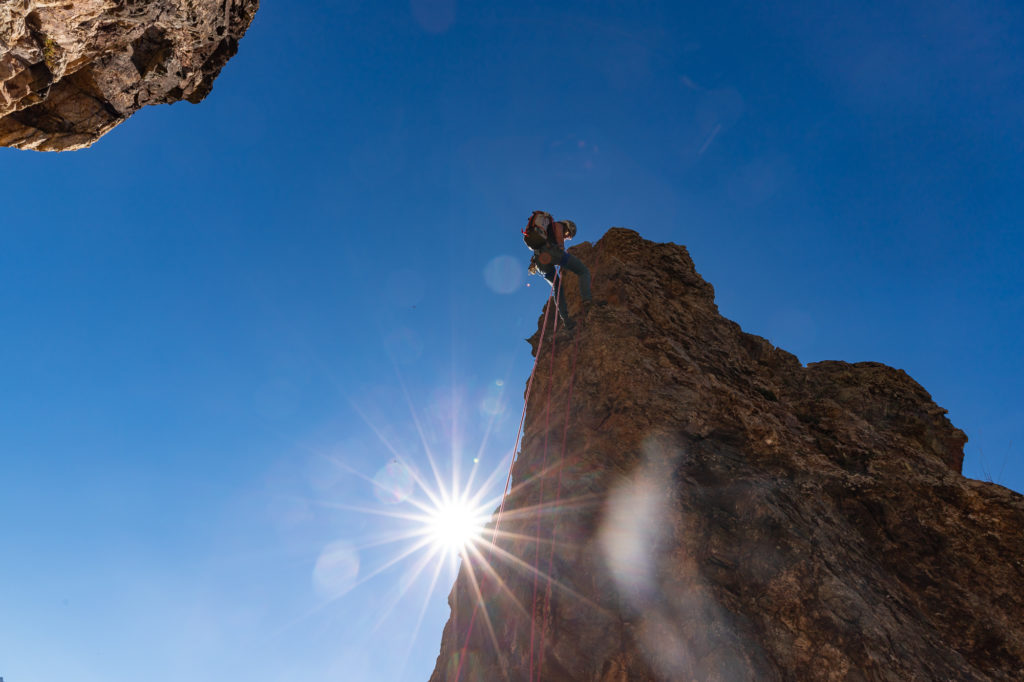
x=205, y=317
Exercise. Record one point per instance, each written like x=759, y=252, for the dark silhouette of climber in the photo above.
x=547, y=238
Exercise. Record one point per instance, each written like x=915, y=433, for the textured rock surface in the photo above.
x=724, y=513
x=71, y=70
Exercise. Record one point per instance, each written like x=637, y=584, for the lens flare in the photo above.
x=394, y=483
x=493, y=403
x=454, y=525
x=504, y=275
x=336, y=569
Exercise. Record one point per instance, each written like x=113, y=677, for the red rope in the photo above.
x=547, y=428
x=558, y=499
x=558, y=495
x=558, y=489
x=508, y=478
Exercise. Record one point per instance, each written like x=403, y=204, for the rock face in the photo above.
x=71, y=70
x=722, y=512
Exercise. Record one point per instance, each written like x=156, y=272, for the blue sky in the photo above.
x=215, y=318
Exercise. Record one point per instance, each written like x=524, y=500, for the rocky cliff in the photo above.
x=72, y=70
x=722, y=512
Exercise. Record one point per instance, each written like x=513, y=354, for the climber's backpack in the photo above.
x=535, y=234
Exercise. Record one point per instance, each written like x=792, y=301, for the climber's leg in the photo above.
x=577, y=266
x=553, y=278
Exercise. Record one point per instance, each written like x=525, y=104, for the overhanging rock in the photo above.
x=72, y=71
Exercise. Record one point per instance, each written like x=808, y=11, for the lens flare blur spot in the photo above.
x=492, y=406
x=636, y=523
x=503, y=275
x=493, y=403
x=336, y=570
x=394, y=483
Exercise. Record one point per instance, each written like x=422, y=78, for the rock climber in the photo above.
x=547, y=237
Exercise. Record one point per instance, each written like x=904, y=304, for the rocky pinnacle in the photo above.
x=723, y=512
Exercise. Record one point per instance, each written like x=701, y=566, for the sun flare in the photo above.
x=455, y=525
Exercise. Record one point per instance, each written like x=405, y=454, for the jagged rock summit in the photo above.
x=722, y=512
x=70, y=71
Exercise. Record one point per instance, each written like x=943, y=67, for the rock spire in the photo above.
x=72, y=71
x=723, y=512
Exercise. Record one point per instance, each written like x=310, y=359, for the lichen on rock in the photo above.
x=722, y=512
x=72, y=71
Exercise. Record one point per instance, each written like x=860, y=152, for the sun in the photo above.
x=453, y=526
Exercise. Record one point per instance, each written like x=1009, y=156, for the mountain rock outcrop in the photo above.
x=708, y=508
x=70, y=71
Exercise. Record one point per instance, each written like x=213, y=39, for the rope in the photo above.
x=558, y=492
x=558, y=488
x=556, y=291
x=558, y=500
x=508, y=478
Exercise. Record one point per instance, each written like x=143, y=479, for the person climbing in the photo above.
x=547, y=237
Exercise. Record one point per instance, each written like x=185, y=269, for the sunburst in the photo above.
x=454, y=526
x=444, y=517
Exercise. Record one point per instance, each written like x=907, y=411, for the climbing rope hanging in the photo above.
x=543, y=476
x=558, y=499
x=541, y=641
x=508, y=478
x=546, y=620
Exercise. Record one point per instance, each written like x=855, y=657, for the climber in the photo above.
x=547, y=238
